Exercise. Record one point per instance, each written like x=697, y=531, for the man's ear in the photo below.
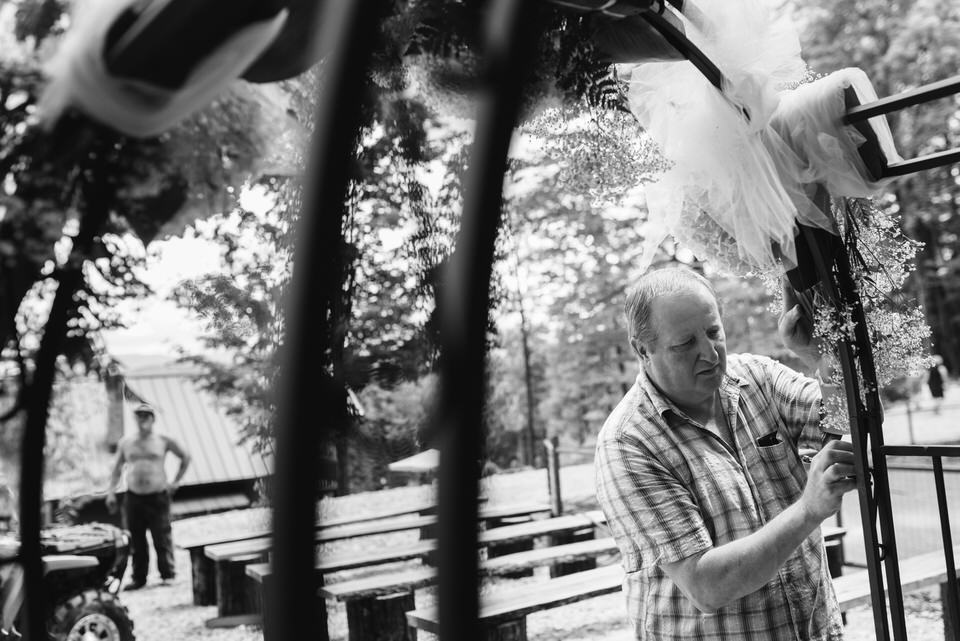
x=638, y=349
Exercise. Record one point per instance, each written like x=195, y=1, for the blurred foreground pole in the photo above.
x=309, y=399
x=72, y=138
x=511, y=36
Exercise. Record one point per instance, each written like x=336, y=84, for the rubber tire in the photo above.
x=91, y=602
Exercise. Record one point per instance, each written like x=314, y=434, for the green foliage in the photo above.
x=150, y=187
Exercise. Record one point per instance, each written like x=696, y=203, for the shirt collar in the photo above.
x=729, y=391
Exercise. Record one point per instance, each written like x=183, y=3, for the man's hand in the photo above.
x=111, y=503
x=796, y=327
x=831, y=475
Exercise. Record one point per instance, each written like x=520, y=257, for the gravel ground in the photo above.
x=165, y=613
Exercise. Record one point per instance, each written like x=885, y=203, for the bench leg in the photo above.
x=380, y=618
x=203, y=572
x=561, y=569
x=269, y=594
x=515, y=630
x=236, y=592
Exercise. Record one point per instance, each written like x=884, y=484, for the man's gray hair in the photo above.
x=660, y=282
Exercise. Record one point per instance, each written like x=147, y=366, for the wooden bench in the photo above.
x=496, y=537
x=234, y=595
x=503, y=616
x=203, y=572
x=261, y=574
x=377, y=604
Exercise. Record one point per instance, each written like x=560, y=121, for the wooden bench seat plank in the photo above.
x=556, y=554
x=499, y=535
x=225, y=550
x=916, y=572
x=520, y=601
x=329, y=564
x=423, y=508
x=416, y=578
x=542, y=527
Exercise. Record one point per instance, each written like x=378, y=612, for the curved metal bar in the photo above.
x=689, y=50
x=865, y=423
x=511, y=35
x=348, y=32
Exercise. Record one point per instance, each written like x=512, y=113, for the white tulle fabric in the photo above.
x=78, y=76
x=736, y=186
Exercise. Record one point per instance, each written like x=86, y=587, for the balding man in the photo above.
x=698, y=472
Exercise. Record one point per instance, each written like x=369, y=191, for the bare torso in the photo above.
x=144, y=457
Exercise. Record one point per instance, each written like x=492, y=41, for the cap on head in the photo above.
x=145, y=408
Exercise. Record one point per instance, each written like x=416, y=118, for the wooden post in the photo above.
x=381, y=618
x=236, y=592
x=553, y=475
x=204, y=575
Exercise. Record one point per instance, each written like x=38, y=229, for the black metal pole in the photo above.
x=511, y=33
x=951, y=602
x=860, y=429
x=873, y=423
x=308, y=394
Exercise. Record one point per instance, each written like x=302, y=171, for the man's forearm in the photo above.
x=114, y=483
x=733, y=570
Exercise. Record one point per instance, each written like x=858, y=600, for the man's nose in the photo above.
x=708, y=349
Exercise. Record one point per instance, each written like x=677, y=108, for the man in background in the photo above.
x=149, y=494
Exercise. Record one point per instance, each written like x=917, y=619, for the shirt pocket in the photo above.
x=782, y=465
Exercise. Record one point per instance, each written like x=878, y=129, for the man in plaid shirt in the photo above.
x=699, y=475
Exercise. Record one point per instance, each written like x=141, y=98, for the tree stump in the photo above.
x=204, y=575
x=381, y=618
x=236, y=592
x=561, y=569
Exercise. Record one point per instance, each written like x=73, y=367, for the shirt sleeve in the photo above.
x=653, y=516
x=797, y=398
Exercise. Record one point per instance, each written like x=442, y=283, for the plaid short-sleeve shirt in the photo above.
x=671, y=489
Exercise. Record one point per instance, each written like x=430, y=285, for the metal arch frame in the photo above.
x=348, y=33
